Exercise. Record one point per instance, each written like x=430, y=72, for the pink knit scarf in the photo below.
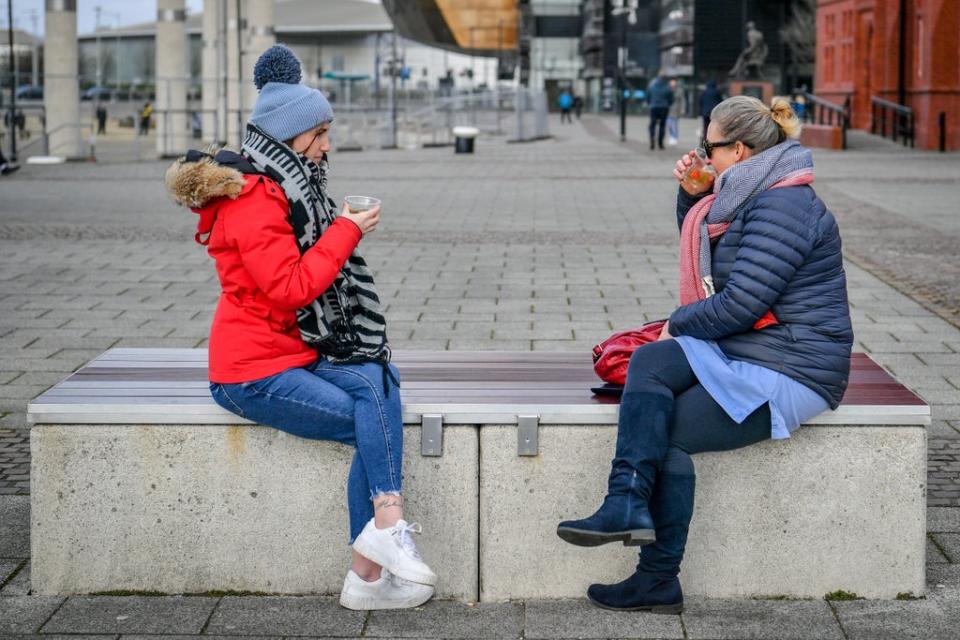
x=693, y=285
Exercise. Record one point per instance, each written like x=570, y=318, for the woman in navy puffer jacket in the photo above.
x=760, y=344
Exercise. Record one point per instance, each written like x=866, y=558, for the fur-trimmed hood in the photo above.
x=205, y=183
x=199, y=178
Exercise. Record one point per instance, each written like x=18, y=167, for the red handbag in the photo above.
x=612, y=356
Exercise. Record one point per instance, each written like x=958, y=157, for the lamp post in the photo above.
x=627, y=9
x=97, y=10
x=35, y=50
x=13, y=85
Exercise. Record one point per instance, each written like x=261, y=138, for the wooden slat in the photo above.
x=164, y=385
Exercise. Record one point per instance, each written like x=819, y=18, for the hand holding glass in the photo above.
x=699, y=175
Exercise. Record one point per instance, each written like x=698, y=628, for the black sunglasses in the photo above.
x=708, y=147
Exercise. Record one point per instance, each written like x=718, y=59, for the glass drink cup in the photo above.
x=700, y=174
x=359, y=204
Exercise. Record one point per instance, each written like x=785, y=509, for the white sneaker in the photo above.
x=389, y=592
x=393, y=549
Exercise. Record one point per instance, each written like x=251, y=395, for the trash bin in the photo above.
x=464, y=137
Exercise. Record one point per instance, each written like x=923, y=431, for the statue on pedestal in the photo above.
x=750, y=62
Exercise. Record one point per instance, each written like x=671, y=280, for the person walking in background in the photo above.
x=21, y=121
x=101, y=119
x=577, y=106
x=677, y=109
x=6, y=168
x=660, y=97
x=565, y=102
x=145, y=114
x=709, y=99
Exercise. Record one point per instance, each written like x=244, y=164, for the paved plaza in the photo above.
x=543, y=246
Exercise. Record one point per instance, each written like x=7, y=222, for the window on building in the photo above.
x=337, y=63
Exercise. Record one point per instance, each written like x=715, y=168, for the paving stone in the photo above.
x=19, y=585
x=950, y=543
x=26, y=614
x=449, y=620
x=912, y=346
x=945, y=412
x=288, y=616
x=939, y=396
x=473, y=344
x=131, y=614
x=61, y=364
x=934, y=555
x=926, y=619
x=168, y=343
x=217, y=637
x=942, y=430
x=55, y=636
x=943, y=519
x=21, y=391
x=14, y=513
x=7, y=567
x=580, y=619
x=943, y=580
x=719, y=619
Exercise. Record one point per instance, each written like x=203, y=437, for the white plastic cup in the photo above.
x=359, y=204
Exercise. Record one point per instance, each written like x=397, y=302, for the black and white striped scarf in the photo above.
x=346, y=322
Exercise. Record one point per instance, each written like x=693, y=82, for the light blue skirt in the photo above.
x=742, y=387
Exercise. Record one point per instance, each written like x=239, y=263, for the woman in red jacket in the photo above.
x=298, y=340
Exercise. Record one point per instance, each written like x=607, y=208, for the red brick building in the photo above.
x=860, y=54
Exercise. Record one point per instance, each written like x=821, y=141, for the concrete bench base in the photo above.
x=837, y=507
x=191, y=509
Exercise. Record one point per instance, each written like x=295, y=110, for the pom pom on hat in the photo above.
x=277, y=64
x=285, y=108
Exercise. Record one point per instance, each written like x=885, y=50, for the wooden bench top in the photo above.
x=169, y=386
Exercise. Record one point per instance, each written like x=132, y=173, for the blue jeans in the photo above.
x=341, y=402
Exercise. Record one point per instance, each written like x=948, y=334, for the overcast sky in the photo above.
x=121, y=12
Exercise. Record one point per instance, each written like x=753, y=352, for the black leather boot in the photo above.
x=642, y=440
x=655, y=586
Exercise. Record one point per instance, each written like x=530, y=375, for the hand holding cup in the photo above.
x=693, y=173
x=363, y=211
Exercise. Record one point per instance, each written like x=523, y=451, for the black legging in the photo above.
x=695, y=424
x=698, y=424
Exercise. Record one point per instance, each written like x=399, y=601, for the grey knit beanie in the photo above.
x=285, y=108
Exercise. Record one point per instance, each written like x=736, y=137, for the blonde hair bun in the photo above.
x=783, y=114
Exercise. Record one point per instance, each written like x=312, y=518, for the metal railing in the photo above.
x=429, y=122
x=820, y=111
x=942, y=130
x=423, y=119
x=899, y=117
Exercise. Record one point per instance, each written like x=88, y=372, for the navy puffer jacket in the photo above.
x=781, y=252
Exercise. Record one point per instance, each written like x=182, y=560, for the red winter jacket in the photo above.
x=263, y=277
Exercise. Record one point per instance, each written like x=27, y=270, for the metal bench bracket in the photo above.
x=431, y=435
x=528, y=443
